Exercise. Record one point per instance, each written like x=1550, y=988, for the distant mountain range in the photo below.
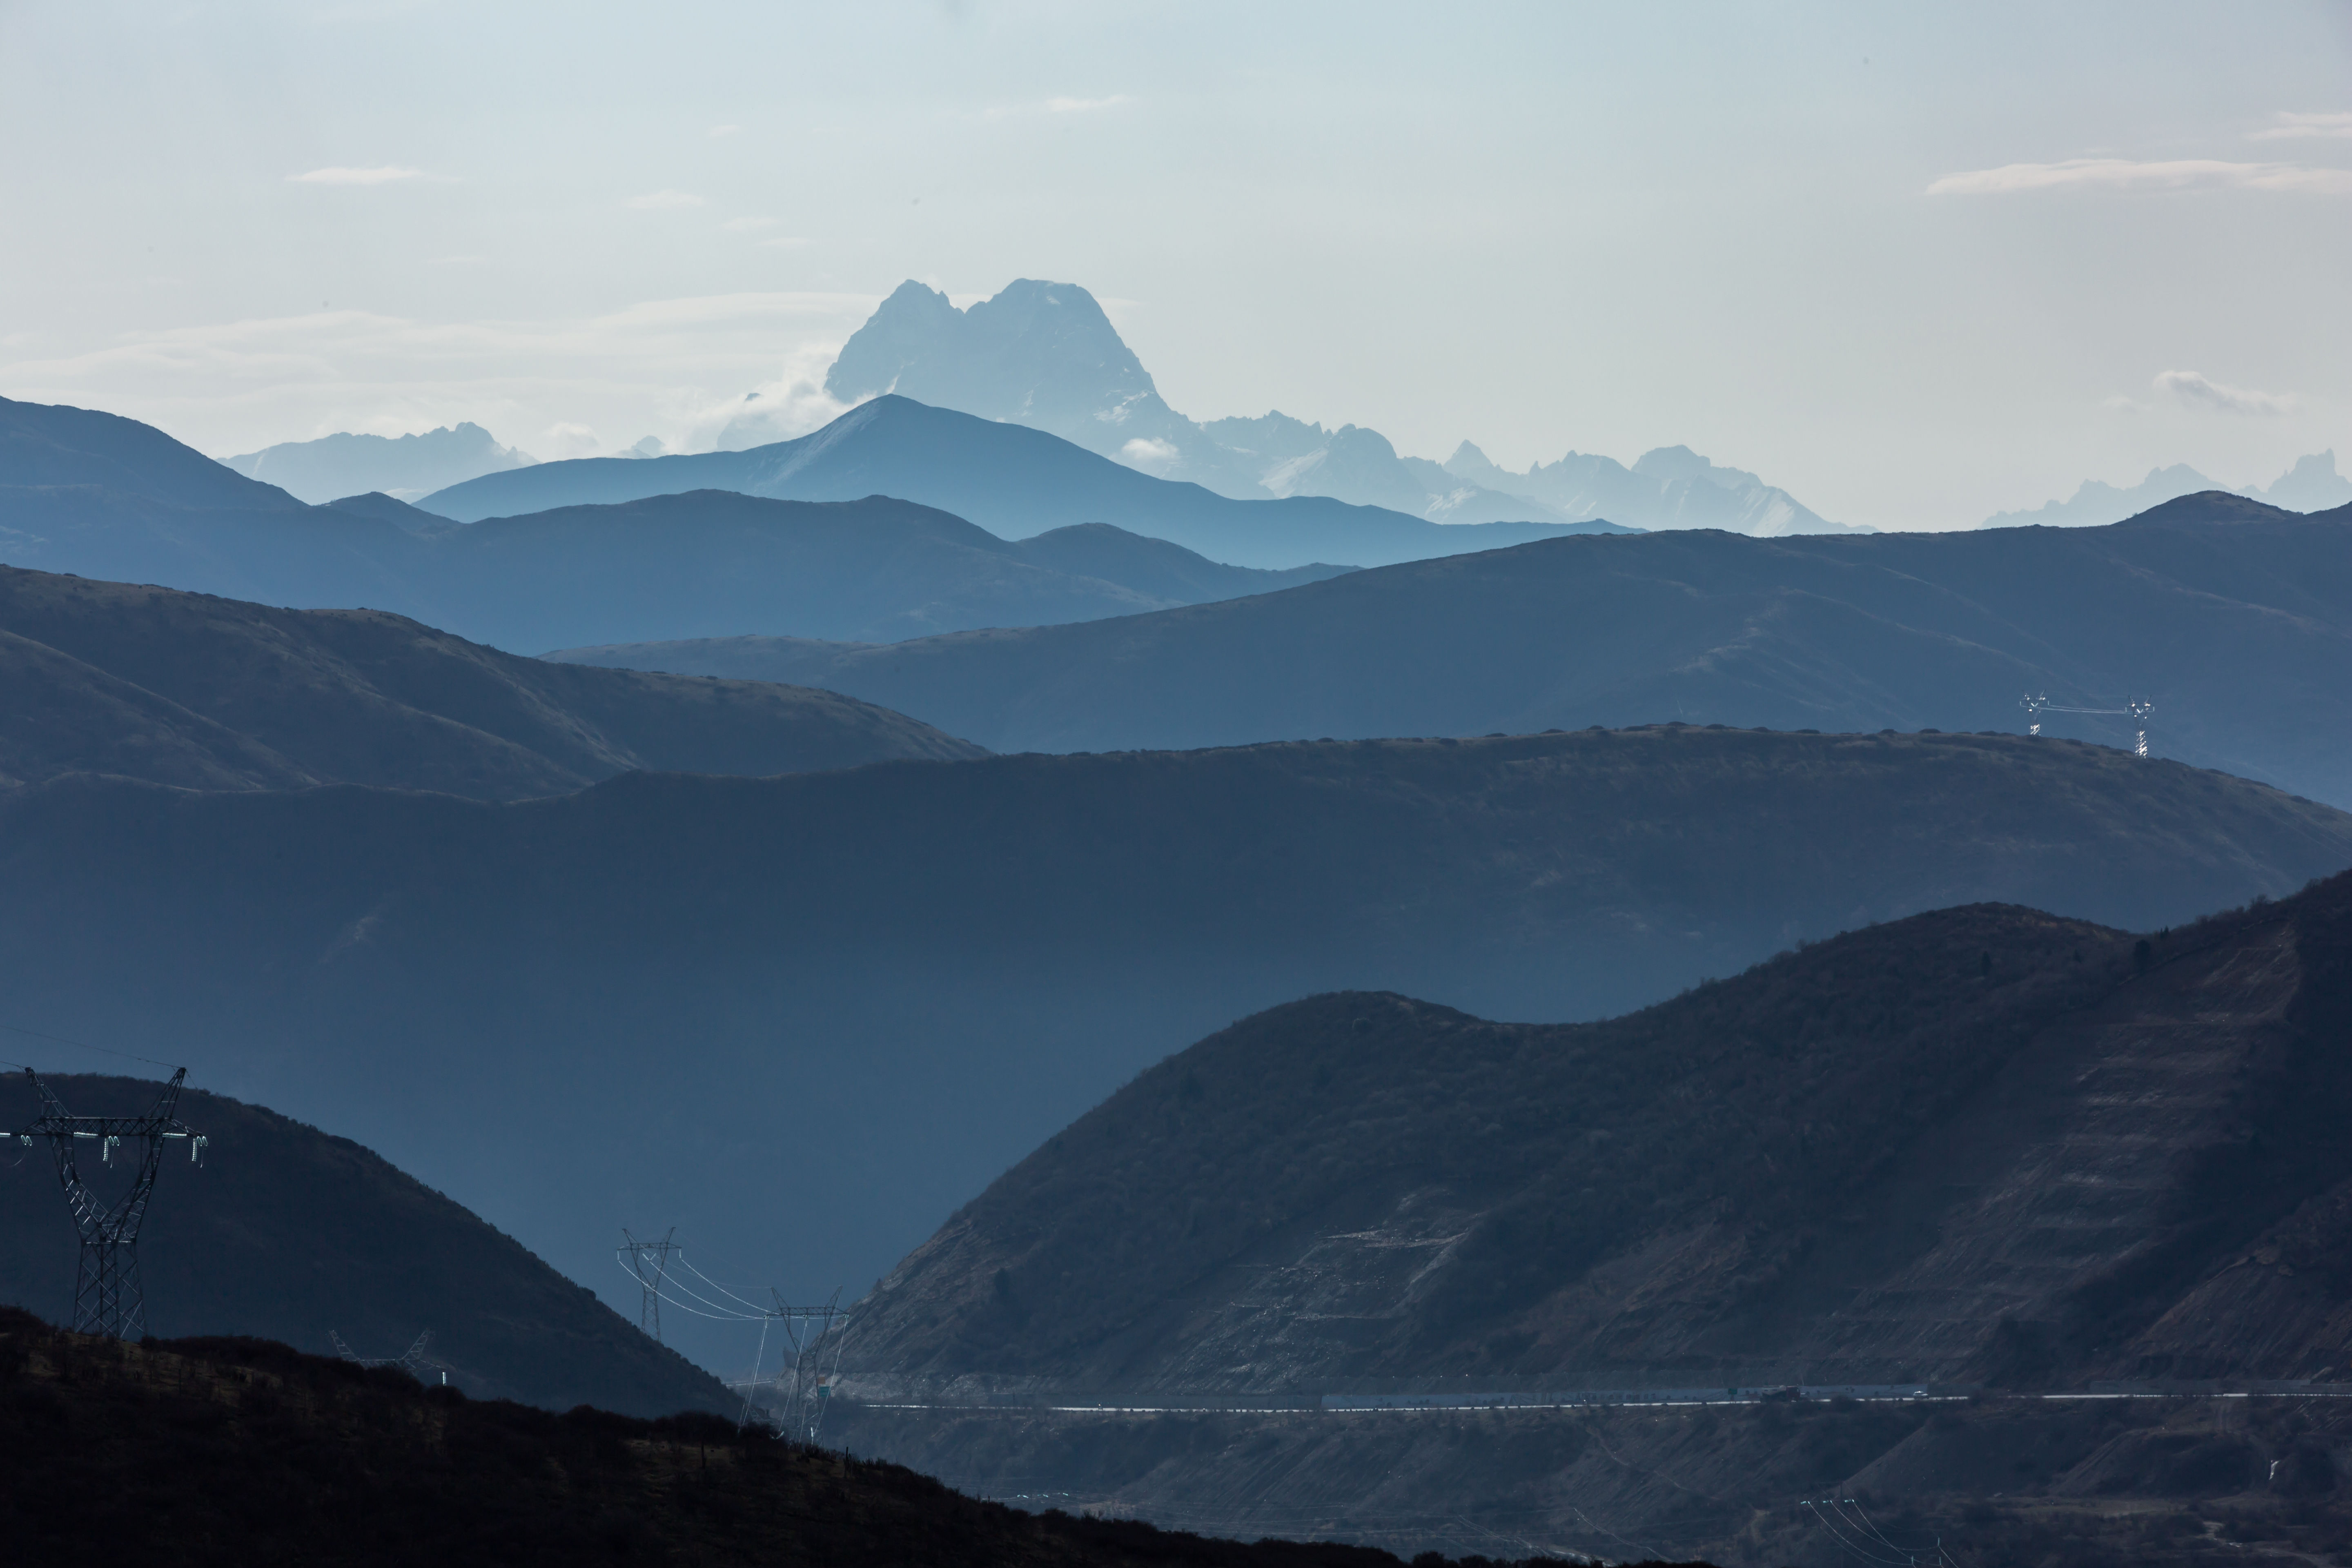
x=1010, y=479
x=1670, y=488
x=290, y=1233
x=206, y=693
x=2312, y=485
x=667, y=999
x=1044, y=355
x=2233, y=617
x=106, y=497
x=402, y=467
x=1982, y=1148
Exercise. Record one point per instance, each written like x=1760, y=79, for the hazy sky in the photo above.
x=1914, y=264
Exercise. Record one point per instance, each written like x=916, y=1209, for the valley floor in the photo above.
x=2062, y=1482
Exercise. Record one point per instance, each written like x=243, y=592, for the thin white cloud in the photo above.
x=2200, y=392
x=751, y=225
x=716, y=132
x=784, y=242
x=2287, y=126
x=1058, y=105
x=1150, y=454
x=566, y=438
x=665, y=201
x=790, y=402
x=2125, y=173
x=679, y=366
x=382, y=176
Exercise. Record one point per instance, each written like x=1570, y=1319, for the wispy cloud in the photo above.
x=784, y=242
x=751, y=225
x=2287, y=126
x=383, y=176
x=1059, y=105
x=2125, y=173
x=716, y=132
x=2199, y=391
x=665, y=201
x=677, y=366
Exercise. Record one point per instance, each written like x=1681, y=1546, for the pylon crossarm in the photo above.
x=108, y=1299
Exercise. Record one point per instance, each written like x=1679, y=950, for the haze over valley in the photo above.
x=1293, y=788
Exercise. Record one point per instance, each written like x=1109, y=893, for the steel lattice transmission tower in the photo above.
x=416, y=1360
x=649, y=1261
x=814, y=1338
x=2137, y=708
x=108, y=1297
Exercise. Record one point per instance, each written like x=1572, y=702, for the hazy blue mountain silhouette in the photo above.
x=812, y=1014
x=2312, y=485
x=1041, y=354
x=1671, y=487
x=388, y=509
x=209, y=693
x=1009, y=479
x=668, y=565
x=106, y=458
x=1045, y=356
x=2234, y=617
x=874, y=570
x=403, y=467
x=286, y=1232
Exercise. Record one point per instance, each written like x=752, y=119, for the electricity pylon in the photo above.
x=416, y=1360
x=649, y=1261
x=108, y=1297
x=2139, y=708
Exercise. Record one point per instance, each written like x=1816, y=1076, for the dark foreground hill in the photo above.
x=1009, y=479
x=1983, y=1147
x=206, y=693
x=292, y=1234
x=2234, y=617
x=238, y=1450
x=804, y=1017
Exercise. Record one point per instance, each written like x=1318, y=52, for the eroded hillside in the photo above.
x=1983, y=1146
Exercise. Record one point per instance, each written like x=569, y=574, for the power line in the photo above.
x=85, y=1045
x=2137, y=708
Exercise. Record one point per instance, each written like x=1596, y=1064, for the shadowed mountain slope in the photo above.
x=218, y=1450
x=2234, y=617
x=1983, y=1144
x=1009, y=479
x=290, y=1233
x=206, y=693
x=666, y=999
